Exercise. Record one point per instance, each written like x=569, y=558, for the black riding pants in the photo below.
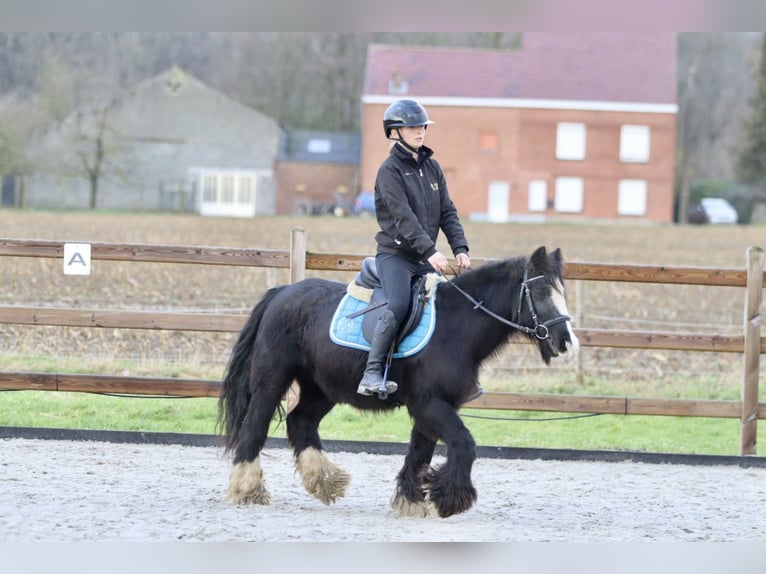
x=397, y=274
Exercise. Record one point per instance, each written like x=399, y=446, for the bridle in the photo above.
x=541, y=329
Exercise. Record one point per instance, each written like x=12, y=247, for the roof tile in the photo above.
x=608, y=66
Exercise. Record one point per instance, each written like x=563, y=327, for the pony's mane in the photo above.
x=504, y=272
x=492, y=272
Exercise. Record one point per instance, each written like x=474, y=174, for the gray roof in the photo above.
x=320, y=147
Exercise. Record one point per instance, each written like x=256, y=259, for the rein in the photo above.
x=540, y=329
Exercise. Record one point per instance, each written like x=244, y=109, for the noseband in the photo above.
x=541, y=330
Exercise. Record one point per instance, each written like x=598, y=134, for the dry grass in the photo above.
x=114, y=285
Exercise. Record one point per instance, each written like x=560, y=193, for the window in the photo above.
x=245, y=189
x=570, y=141
x=632, y=197
x=227, y=192
x=209, y=188
x=569, y=194
x=227, y=189
x=634, y=143
x=498, y=200
x=489, y=141
x=319, y=145
x=538, y=195
x=397, y=83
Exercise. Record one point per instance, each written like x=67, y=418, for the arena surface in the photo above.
x=58, y=490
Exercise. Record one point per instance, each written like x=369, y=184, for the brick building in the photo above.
x=316, y=171
x=579, y=125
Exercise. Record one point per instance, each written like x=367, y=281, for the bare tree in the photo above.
x=714, y=87
x=752, y=160
x=90, y=150
x=90, y=147
x=13, y=160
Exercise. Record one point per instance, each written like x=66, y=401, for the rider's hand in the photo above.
x=463, y=261
x=438, y=262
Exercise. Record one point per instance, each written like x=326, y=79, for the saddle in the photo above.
x=354, y=320
x=368, y=280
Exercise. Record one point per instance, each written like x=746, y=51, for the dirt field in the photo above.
x=91, y=491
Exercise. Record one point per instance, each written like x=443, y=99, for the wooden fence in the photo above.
x=298, y=260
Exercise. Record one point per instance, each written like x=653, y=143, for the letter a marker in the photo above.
x=76, y=258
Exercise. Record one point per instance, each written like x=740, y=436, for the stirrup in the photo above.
x=381, y=388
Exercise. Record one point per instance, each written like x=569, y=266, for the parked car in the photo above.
x=715, y=210
x=365, y=203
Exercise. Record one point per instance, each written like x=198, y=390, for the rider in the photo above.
x=411, y=204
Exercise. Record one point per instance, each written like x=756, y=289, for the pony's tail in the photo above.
x=235, y=392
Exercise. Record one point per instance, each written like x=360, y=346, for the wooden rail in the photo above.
x=220, y=322
x=297, y=260
x=110, y=384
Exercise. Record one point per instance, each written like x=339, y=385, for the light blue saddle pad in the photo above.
x=347, y=332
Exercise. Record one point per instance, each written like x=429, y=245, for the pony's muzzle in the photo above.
x=571, y=344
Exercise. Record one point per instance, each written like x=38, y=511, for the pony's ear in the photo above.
x=539, y=259
x=556, y=261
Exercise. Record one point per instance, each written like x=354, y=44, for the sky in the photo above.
x=376, y=16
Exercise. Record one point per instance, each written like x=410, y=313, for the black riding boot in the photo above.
x=372, y=381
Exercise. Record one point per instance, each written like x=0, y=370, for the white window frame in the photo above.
x=537, y=195
x=570, y=141
x=635, y=143
x=498, y=201
x=631, y=197
x=570, y=193
x=228, y=193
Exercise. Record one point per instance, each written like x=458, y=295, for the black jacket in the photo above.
x=412, y=204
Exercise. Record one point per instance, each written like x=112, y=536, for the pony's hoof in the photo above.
x=448, y=496
x=246, y=485
x=261, y=497
x=453, y=501
x=322, y=478
x=405, y=508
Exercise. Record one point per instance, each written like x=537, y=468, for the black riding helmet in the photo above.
x=402, y=114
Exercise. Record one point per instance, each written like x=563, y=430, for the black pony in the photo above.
x=286, y=339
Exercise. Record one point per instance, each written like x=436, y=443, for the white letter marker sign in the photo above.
x=76, y=258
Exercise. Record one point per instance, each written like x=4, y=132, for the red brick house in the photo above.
x=316, y=171
x=579, y=125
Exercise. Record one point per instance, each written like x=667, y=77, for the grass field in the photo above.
x=124, y=285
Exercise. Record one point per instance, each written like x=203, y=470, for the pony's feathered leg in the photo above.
x=322, y=478
x=246, y=484
x=249, y=399
x=409, y=498
x=448, y=487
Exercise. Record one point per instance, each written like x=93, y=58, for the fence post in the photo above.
x=752, y=327
x=297, y=273
x=580, y=323
x=297, y=255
